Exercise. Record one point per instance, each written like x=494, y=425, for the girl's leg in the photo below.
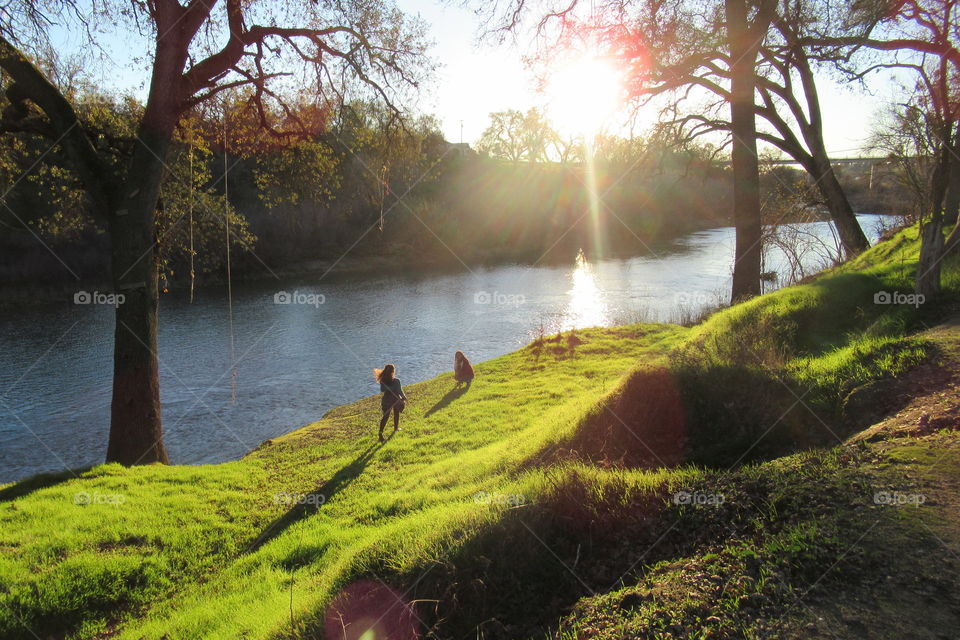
x=383, y=421
x=396, y=418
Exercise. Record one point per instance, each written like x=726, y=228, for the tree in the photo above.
x=787, y=101
x=744, y=35
x=370, y=41
x=678, y=32
x=786, y=58
x=565, y=149
x=516, y=136
x=903, y=133
x=920, y=35
x=381, y=159
x=45, y=198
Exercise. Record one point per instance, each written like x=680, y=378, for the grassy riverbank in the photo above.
x=507, y=508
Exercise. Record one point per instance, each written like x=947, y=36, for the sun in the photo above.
x=583, y=94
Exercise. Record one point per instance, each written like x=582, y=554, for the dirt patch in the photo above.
x=933, y=389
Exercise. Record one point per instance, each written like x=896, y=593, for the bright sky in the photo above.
x=473, y=80
x=477, y=79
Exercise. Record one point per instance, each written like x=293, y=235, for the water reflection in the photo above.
x=586, y=307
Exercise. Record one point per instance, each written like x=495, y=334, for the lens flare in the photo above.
x=583, y=94
x=367, y=610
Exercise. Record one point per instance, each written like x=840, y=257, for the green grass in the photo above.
x=209, y=552
x=794, y=533
x=792, y=357
x=447, y=507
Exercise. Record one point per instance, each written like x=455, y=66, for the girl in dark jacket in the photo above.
x=393, y=397
x=462, y=369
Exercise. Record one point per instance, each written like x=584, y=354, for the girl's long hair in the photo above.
x=459, y=357
x=385, y=375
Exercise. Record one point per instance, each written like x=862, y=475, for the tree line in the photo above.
x=360, y=182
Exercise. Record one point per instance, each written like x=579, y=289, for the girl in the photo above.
x=462, y=369
x=393, y=396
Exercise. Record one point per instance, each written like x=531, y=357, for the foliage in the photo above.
x=516, y=136
x=302, y=172
x=49, y=198
x=195, y=215
x=906, y=134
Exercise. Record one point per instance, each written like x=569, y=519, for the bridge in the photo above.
x=786, y=162
x=866, y=160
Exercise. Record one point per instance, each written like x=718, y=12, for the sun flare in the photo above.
x=583, y=94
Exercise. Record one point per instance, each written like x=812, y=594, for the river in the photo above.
x=304, y=346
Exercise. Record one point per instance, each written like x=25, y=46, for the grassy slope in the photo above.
x=802, y=546
x=182, y=543
x=209, y=552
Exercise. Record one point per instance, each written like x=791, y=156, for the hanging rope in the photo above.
x=193, y=273
x=226, y=219
x=383, y=192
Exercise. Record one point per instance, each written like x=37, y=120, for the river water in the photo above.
x=304, y=346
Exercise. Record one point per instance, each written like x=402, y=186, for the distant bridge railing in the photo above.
x=866, y=160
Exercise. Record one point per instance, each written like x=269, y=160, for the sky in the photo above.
x=475, y=79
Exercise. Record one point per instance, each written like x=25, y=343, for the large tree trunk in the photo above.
x=744, y=161
x=951, y=205
x=852, y=237
x=931, y=251
x=932, y=241
x=136, y=434
x=136, y=427
x=136, y=431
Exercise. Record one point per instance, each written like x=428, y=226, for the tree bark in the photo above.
x=744, y=160
x=932, y=241
x=928, y=266
x=852, y=237
x=136, y=427
x=951, y=205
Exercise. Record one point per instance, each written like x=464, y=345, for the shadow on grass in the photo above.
x=39, y=481
x=564, y=558
x=449, y=397
x=312, y=501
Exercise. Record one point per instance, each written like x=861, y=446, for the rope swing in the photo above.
x=226, y=219
x=383, y=192
x=193, y=273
